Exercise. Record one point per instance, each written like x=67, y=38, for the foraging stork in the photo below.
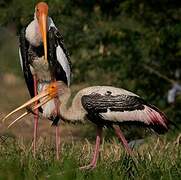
x=43, y=59
x=104, y=106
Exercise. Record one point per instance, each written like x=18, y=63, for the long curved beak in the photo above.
x=49, y=93
x=43, y=29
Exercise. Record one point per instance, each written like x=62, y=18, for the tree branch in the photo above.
x=151, y=70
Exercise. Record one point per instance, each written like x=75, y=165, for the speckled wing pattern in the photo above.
x=123, y=109
x=101, y=103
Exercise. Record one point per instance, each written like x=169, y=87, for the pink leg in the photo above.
x=35, y=118
x=57, y=142
x=93, y=163
x=57, y=134
x=122, y=139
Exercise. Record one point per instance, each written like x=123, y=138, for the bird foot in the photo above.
x=88, y=167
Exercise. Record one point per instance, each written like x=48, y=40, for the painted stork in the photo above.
x=43, y=59
x=104, y=106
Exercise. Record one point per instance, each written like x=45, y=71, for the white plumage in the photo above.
x=20, y=59
x=104, y=90
x=33, y=34
x=63, y=61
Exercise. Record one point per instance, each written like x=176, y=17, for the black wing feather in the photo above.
x=100, y=103
x=55, y=39
x=96, y=103
x=24, y=45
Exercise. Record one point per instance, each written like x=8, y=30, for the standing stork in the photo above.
x=104, y=106
x=43, y=59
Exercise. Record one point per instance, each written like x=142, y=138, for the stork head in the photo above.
x=53, y=90
x=41, y=13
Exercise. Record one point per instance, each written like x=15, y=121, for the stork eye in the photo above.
x=37, y=10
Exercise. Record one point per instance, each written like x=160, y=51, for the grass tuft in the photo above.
x=156, y=159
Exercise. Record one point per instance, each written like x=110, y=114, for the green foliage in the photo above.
x=7, y=58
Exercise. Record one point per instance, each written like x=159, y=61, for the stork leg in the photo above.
x=121, y=137
x=35, y=118
x=57, y=142
x=93, y=163
x=57, y=134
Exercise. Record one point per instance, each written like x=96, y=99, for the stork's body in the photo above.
x=107, y=105
x=43, y=58
x=111, y=107
x=104, y=106
x=33, y=62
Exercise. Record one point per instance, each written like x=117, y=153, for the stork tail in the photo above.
x=158, y=120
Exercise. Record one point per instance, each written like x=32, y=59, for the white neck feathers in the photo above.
x=74, y=113
x=33, y=34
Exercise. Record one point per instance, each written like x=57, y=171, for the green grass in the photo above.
x=158, y=158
